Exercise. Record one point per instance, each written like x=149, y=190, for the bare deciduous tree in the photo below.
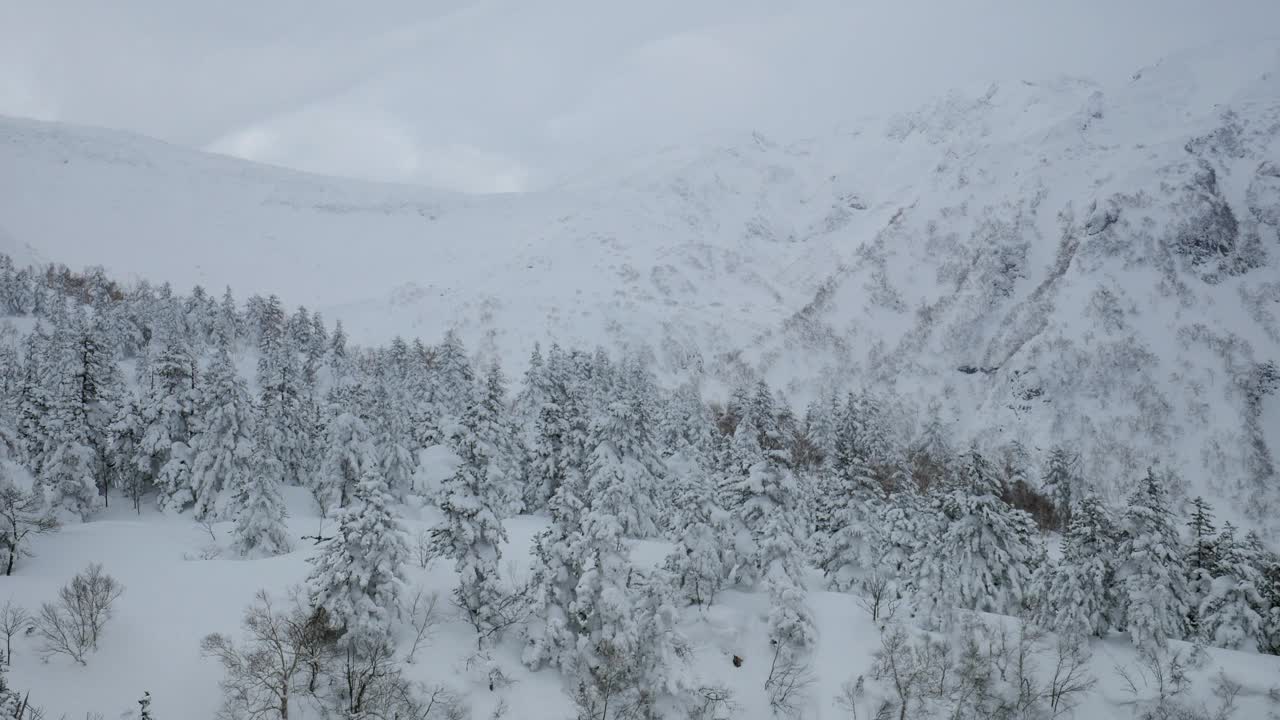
x=424, y=548
x=1070, y=678
x=713, y=703
x=879, y=597
x=282, y=658
x=788, y=681
x=13, y=620
x=422, y=618
x=73, y=624
x=21, y=516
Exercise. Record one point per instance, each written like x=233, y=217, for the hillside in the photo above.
x=1049, y=261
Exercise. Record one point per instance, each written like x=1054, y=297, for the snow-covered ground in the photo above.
x=173, y=598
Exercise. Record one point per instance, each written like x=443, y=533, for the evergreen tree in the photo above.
x=283, y=421
x=558, y=566
x=1080, y=599
x=1202, y=559
x=559, y=433
x=453, y=378
x=164, y=452
x=224, y=447
x=1152, y=570
x=1231, y=613
x=703, y=554
x=473, y=502
x=357, y=578
x=764, y=497
x=623, y=470
x=1061, y=481
x=259, y=514
x=931, y=454
x=339, y=363
x=126, y=433
x=349, y=454
x=980, y=557
x=849, y=501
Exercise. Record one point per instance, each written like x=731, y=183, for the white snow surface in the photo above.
x=173, y=598
x=1025, y=254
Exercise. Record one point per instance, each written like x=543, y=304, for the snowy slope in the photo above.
x=173, y=597
x=1051, y=260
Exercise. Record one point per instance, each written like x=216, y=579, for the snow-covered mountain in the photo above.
x=1048, y=261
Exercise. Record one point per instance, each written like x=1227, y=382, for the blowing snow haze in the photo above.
x=622, y=361
x=503, y=96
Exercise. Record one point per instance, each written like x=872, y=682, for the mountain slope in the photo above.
x=1047, y=262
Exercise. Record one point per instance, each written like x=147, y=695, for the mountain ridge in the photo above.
x=1038, y=262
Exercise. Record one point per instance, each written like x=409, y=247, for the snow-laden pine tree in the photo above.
x=357, y=579
x=339, y=362
x=1202, y=559
x=35, y=389
x=627, y=653
x=623, y=469
x=821, y=424
x=702, y=557
x=685, y=427
x=849, y=500
x=259, y=514
x=492, y=423
x=168, y=410
x=349, y=451
x=535, y=390
x=474, y=500
x=904, y=523
x=452, y=379
x=1061, y=482
x=763, y=495
x=224, y=446
x=284, y=425
x=979, y=558
x=1230, y=615
x=558, y=563
x=1152, y=568
x=1079, y=598
x=559, y=436
x=81, y=379
x=126, y=432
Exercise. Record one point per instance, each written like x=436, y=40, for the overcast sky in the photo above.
x=500, y=95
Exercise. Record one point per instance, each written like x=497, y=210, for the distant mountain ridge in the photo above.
x=1043, y=262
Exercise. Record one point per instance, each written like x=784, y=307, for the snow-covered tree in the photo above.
x=168, y=410
x=1079, y=599
x=979, y=557
x=1202, y=558
x=284, y=423
x=1230, y=614
x=453, y=378
x=849, y=500
x=623, y=469
x=763, y=495
x=349, y=453
x=558, y=566
x=931, y=454
x=358, y=577
x=473, y=501
x=259, y=514
x=1152, y=568
x=1061, y=482
x=703, y=554
x=224, y=446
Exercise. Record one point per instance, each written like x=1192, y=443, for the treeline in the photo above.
x=139, y=392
